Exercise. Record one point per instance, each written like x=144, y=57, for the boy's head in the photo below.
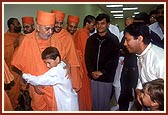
x=51, y=56
x=153, y=94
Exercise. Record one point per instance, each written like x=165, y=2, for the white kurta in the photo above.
x=114, y=29
x=66, y=97
x=151, y=64
x=117, y=76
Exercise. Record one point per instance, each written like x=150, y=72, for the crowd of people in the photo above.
x=68, y=68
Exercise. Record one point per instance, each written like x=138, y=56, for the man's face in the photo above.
x=71, y=27
x=131, y=44
x=58, y=26
x=17, y=26
x=45, y=32
x=92, y=26
x=102, y=26
x=152, y=18
x=27, y=28
x=128, y=22
x=160, y=15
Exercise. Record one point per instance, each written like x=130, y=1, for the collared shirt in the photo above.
x=151, y=64
x=114, y=29
x=156, y=28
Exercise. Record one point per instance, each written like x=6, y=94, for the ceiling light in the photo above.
x=118, y=15
x=135, y=8
x=136, y=12
x=116, y=11
x=113, y=6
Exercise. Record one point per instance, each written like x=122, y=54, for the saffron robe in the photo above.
x=84, y=95
x=9, y=45
x=8, y=77
x=9, y=48
x=27, y=58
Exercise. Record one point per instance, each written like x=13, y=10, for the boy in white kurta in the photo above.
x=66, y=97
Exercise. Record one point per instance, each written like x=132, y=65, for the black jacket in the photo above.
x=102, y=54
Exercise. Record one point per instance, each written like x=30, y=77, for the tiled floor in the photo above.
x=115, y=107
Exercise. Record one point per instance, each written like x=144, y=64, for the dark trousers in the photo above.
x=101, y=92
x=129, y=78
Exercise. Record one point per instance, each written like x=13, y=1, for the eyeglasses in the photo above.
x=153, y=17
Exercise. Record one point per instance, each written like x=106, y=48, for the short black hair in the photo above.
x=161, y=6
x=10, y=21
x=139, y=28
x=102, y=16
x=50, y=53
x=152, y=12
x=89, y=19
x=143, y=16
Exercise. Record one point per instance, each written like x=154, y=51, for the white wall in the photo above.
x=19, y=10
x=77, y=8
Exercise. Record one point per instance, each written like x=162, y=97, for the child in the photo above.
x=153, y=95
x=65, y=95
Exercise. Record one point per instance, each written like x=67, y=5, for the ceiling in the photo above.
x=141, y=8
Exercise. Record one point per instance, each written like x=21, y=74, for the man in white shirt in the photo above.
x=150, y=57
